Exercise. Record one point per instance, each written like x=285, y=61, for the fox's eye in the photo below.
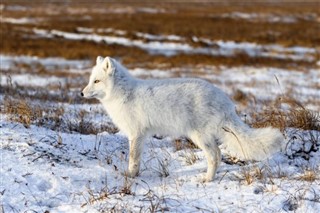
x=96, y=81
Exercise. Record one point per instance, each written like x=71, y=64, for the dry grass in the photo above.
x=22, y=112
x=184, y=143
x=84, y=125
x=52, y=93
x=27, y=112
x=305, y=119
x=308, y=175
x=267, y=174
x=163, y=167
x=296, y=116
x=251, y=174
x=152, y=202
x=191, y=157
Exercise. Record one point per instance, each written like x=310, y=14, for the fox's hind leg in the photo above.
x=211, y=150
x=136, y=148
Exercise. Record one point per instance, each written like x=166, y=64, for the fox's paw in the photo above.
x=205, y=178
x=129, y=174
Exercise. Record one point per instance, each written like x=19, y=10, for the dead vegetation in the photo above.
x=296, y=116
x=309, y=175
x=28, y=113
x=184, y=143
x=22, y=112
x=267, y=174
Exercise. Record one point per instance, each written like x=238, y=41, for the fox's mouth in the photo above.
x=93, y=95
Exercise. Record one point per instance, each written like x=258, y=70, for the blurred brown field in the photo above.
x=288, y=24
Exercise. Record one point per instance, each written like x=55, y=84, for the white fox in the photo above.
x=186, y=107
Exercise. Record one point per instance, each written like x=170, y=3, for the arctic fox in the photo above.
x=178, y=107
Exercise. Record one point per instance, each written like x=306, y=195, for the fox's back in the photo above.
x=189, y=92
x=172, y=105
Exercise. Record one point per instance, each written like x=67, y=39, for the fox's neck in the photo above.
x=123, y=88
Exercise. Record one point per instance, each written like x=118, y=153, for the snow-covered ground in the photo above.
x=59, y=153
x=59, y=170
x=44, y=170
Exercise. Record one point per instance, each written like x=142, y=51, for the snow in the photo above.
x=111, y=30
x=19, y=20
x=176, y=44
x=122, y=33
x=150, y=10
x=269, y=17
x=63, y=172
x=154, y=47
x=13, y=7
x=159, y=37
x=32, y=80
x=9, y=61
x=228, y=48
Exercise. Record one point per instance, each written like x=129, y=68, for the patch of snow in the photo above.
x=116, y=10
x=159, y=37
x=15, y=8
x=228, y=48
x=150, y=10
x=84, y=30
x=111, y=30
x=269, y=17
x=20, y=20
x=224, y=48
x=154, y=47
x=138, y=34
x=32, y=80
x=8, y=61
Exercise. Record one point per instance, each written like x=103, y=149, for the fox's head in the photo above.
x=101, y=79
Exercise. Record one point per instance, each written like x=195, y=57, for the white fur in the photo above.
x=178, y=107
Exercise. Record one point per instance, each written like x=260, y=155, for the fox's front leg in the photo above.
x=136, y=148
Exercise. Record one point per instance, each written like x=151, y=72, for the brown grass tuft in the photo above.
x=84, y=125
x=184, y=143
x=21, y=111
x=240, y=97
x=305, y=119
x=308, y=175
x=275, y=118
x=296, y=116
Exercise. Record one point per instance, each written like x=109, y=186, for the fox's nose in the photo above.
x=82, y=94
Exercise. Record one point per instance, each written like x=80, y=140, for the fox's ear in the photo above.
x=108, y=65
x=99, y=60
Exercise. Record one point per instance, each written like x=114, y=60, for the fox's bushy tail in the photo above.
x=247, y=143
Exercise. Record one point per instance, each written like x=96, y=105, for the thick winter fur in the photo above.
x=178, y=107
